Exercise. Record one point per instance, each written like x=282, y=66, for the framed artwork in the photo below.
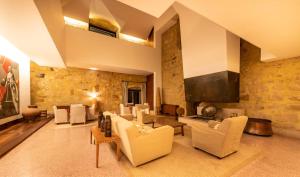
x=9, y=87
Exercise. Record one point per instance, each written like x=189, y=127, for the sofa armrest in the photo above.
x=61, y=112
x=207, y=138
x=152, y=145
x=213, y=123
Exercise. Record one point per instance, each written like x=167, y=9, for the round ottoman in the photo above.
x=31, y=114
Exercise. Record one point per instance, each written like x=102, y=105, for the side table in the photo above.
x=100, y=138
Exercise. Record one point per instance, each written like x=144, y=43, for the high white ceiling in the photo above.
x=22, y=25
x=134, y=22
x=272, y=25
x=77, y=9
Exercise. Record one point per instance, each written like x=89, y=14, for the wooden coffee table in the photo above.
x=171, y=122
x=100, y=138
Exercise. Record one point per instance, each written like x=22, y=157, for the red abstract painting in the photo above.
x=9, y=87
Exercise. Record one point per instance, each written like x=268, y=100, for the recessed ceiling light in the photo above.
x=131, y=38
x=94, y=69
x=76, y=23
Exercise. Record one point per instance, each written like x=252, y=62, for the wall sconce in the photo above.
x=93, y=95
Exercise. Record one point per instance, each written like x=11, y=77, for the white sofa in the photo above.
x=219, y=139
x=142, y=146
x=77, y=114
x=60, y=115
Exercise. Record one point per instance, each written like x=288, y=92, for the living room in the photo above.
x=139, y=88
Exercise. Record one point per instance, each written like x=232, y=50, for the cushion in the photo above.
x=223, y=127
x=133, y=131
x=214, y=124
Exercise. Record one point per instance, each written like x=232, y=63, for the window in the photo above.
x=134, y=96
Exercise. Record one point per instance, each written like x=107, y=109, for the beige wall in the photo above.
x=77, y=9
x=233, y=52
x=85, y=49
x=269, y=90
x=206, y=47
x=172, y=70
x=23, y=26
x=71, y=85
x=52, y=14
x=272, y=25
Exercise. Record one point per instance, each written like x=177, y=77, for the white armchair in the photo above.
x=124, y=110
x=139, y=107
x=60, y=115
x=144, y=147
x=143, y=118
x=219, y=140
x=77, y=114
x=141, y=146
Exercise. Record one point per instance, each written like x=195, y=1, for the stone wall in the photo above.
x=58, y=86
x=172, y=68
x=269, y=90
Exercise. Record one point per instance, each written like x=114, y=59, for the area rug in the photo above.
x=185, y=161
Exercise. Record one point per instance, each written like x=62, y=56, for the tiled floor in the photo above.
x=280, y=157
x=53, y=151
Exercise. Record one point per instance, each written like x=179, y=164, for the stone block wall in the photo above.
x=172, y=68
x=59, y=86
x=269, y=90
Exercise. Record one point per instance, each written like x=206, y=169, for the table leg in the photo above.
x=97, y=155
x=118, y=151
x=182, y=131
x=91, y=137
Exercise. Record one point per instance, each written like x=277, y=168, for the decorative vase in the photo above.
x=100, y=117
x=103, y=124
x=108, y=126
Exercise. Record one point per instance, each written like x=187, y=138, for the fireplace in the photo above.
x=220, y=87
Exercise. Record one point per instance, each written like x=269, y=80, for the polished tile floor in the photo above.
x=57, y=151
x=280, y=157
x=53, y=151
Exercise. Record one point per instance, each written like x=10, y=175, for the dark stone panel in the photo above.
x=220, y=87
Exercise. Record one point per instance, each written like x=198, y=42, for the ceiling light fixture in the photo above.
x=76, y=23
x=132, y=38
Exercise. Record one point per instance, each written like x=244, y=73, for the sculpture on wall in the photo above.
x=9, y=87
